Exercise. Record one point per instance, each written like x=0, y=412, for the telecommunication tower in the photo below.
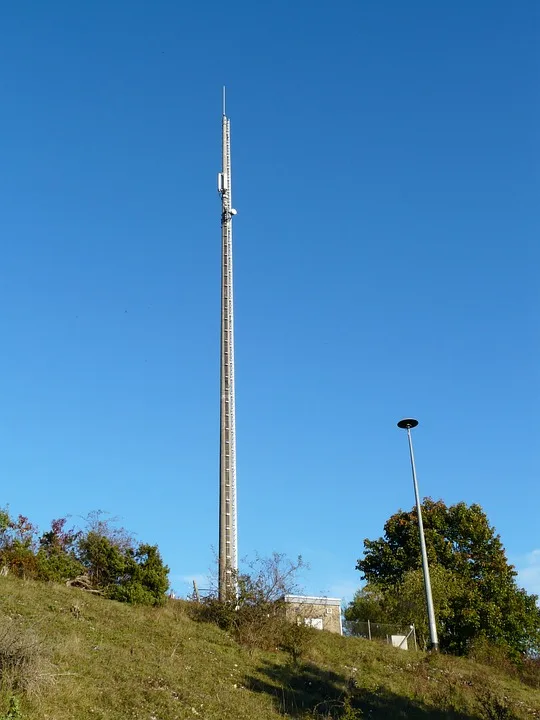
x=228, y=553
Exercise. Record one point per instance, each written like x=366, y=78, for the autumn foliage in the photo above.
x=105, y=556
x=474, y=587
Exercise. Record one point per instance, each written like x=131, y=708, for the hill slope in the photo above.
x=100, y=659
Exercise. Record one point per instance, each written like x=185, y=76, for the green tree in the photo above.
x=369, y=603
x=144, y=579
x=475, y=590
x=104, y=561
x=56, y=557
x=409, y=604
x=121, y=570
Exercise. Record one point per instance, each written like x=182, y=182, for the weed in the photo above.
x=494, y=707
x=14, y=710
x=341, y=709
x=349, y=712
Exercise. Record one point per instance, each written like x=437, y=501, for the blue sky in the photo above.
x=386, y=176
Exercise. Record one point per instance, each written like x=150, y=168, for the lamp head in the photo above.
x=407, y=423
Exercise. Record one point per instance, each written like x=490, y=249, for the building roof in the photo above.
x=312, y=600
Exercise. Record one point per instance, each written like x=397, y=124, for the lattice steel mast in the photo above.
x=228, y=554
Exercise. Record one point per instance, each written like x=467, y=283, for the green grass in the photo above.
x=97, y=658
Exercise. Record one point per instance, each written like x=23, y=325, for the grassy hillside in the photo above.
x=80, y=656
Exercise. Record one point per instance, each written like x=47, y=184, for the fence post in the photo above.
x=369, y=630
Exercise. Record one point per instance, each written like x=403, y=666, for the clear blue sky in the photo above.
x=386, y=165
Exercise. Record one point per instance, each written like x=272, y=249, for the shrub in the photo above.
x=296, y=639
x=17, y=545
x=121, y=571
x=103, y=561
x=57, y=555
x=20, y=659
x=254, y=625
x=494, y=707
x=20, y=560
x=529, y=672
x=105, y=554
x=51, y=558
x=260, y=626
x=57, y=566
x=493, y=654
x=212, y=610
x=144, y=579
x=256, y=618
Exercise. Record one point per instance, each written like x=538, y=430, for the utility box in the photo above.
x=322, y=613
x=399, y=641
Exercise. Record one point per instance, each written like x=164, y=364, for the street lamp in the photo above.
x=407, y=424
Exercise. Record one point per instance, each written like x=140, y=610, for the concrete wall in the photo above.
x=315, y=610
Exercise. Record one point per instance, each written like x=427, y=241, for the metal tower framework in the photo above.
x=228, y=553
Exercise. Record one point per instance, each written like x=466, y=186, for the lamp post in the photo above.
x=407, y=424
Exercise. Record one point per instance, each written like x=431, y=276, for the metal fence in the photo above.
x=400, y=636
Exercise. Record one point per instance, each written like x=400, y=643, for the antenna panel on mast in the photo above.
x=223, y=184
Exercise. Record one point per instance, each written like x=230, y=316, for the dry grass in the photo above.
x=23, y=668
x=116, y=662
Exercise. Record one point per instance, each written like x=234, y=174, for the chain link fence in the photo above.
x=398, y=635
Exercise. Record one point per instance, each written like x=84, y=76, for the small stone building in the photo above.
x=322, y=613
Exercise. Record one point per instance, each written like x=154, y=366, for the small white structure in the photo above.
x=322, y=613
x=399, y=641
